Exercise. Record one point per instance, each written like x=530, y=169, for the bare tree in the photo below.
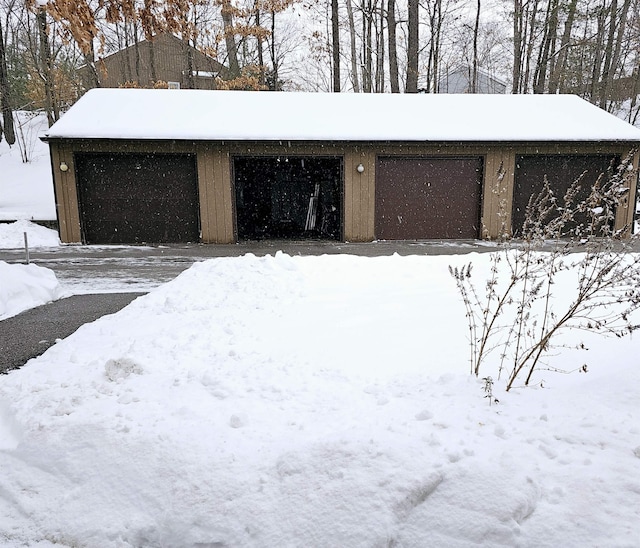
x=411, y=85
x=393, y=46
x=557, y=76
x=5, y=96
x=335, y=45
x=474, y=72
x=352, y=42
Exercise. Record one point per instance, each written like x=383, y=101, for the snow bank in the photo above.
x=317, y=401
x=12, y=235
x=25, y=286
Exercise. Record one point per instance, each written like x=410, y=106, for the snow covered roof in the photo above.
x=267, y=116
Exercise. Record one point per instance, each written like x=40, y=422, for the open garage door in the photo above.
x=288, y=197
x=136, y=198
x=428, y=198
x=561, y=171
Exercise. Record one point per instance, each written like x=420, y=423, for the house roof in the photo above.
x=268, y=116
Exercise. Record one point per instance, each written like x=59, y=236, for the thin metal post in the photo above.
x=26, y=247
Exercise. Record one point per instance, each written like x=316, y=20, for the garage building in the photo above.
x=170, y=166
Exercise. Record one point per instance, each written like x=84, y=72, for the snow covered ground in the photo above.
x=24, y=286
x=302, y=401
x=26, y=188
x=312, y=401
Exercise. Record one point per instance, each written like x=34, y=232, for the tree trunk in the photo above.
x=633, y=109
x=335, y=45
x=368, y=54
x=380, y=53
x=517, y=45
x=152, y=61
x=188, y=57
x=274, y=63
x=412, y=48
x=259, y=45
x=354, y=54
x=529, y=40
x=611, y=66
x=45, y=62
x=5, y=96
x=546, y=47
x=597, y=62
x=393, y=46
x=474, y=72
x=557, y=76
x=229, y=38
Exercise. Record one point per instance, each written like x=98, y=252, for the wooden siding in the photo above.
x=216, y=192
x=133, y=64
x=359, y=195
x=499, y=172
x=216, y=203
x=67, y=208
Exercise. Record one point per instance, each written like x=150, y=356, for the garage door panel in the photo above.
x=561, y=171
x=428, y=198
x=135, y=198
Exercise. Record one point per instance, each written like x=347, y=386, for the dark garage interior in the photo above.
x=137, y=198
x=288, y=197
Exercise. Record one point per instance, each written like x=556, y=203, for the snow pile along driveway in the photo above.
x=319, y=401
x=25, y=286
x=12, y=235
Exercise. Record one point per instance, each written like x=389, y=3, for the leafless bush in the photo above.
x=514, y=316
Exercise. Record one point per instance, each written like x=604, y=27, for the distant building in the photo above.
x=459, y=81
x=163, y=59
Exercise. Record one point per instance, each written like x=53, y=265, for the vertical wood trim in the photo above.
x=227, y=192
x=221, y=205
x=509, y=165
x=205, y=178
x=350, y=164
x=369, y=206
x=61, y=210
x=215, y=210
x=359, y=183
x=67, y=207
x=359, y=195
x=497, y=200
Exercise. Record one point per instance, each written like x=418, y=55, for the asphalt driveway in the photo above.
x=29, y=334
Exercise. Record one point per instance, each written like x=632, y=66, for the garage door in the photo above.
x=561, y=172
x=288, y=197
x=428, y=198
x=136, y=198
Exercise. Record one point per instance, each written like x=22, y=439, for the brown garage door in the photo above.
x=561, y=172
x=136, y=198
x=427, y=198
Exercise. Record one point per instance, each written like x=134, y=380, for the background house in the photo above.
x=163, y=59
x=459, y=81
x=133, y=165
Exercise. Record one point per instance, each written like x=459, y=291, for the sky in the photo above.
x=309, y=401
